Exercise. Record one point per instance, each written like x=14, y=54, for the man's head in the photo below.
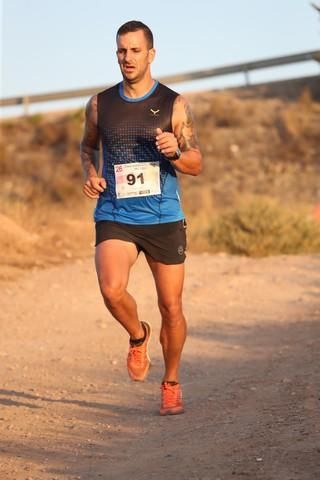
x=135, y=50
x=134, y=26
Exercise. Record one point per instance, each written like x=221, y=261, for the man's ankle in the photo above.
x=170, y=380
x=136, y=342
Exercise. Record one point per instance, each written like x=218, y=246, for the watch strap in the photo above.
x=176, y=156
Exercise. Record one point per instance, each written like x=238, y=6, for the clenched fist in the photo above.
x=94, y=186
x=166, y=143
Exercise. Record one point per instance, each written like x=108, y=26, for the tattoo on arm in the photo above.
x=89, y=147
x=187, y=137
x=90, y=161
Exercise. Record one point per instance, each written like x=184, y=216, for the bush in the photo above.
x=264, y=227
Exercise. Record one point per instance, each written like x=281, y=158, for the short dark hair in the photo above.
x=134, y=26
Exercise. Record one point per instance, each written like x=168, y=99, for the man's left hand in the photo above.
x=166, y=143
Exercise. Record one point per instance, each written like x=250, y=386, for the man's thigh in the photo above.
x=114, y=259
x=169, y=280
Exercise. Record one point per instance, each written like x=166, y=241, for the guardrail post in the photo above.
x=316, y=57
x=26, y=103
x=247, y=77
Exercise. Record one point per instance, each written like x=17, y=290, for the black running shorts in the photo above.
x=164, y=242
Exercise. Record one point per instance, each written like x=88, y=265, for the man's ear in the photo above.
x=152, y=54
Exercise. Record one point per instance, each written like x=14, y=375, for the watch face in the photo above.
x=178, y=153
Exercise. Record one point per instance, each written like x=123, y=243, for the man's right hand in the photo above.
x=94, y=186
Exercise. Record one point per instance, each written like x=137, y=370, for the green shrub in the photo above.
x=35, y=119
x=264, y=227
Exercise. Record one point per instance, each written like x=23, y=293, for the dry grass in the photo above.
x=42, y=236
x=258, y=146
x=262, y=148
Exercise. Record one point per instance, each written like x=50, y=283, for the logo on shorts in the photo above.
x=155, y=113
x=180, y=250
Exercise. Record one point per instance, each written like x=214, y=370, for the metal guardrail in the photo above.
x=183, y=77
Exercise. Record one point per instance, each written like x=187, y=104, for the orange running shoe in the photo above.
x=138, y=361
x=171, y=399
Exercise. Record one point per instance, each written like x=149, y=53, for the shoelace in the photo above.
x=170, y=395
x=137, y=354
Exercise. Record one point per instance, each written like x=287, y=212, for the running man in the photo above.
x=147, y=134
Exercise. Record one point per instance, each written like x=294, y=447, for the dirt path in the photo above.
x=250, y=374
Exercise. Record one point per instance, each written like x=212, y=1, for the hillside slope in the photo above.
x=256, y=151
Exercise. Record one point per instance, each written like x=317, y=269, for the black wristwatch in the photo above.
x=176, y=156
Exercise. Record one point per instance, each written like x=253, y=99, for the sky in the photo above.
x=54, y=45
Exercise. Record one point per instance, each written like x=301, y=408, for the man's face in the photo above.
x=134, y=55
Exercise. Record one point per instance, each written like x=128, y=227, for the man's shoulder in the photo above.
x=107, y=97
x=168, y=91
x=109, y=90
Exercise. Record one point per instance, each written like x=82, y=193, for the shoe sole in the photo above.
x=171, y=412
x=145, y=373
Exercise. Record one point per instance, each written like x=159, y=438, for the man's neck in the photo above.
x=136, y=90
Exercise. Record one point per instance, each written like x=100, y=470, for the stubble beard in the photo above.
x=136, y=78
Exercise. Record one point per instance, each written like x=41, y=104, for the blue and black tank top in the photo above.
x=131, y=161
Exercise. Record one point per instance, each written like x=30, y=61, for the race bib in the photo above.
x=137, y=179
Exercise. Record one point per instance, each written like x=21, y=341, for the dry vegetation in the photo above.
x=256, y=195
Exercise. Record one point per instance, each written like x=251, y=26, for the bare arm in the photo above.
x=89, y=151
x=184, y=137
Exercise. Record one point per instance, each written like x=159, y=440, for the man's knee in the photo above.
x=112, y=293
x=171, y=312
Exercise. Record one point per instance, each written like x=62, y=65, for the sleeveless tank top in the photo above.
x=127, y=129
